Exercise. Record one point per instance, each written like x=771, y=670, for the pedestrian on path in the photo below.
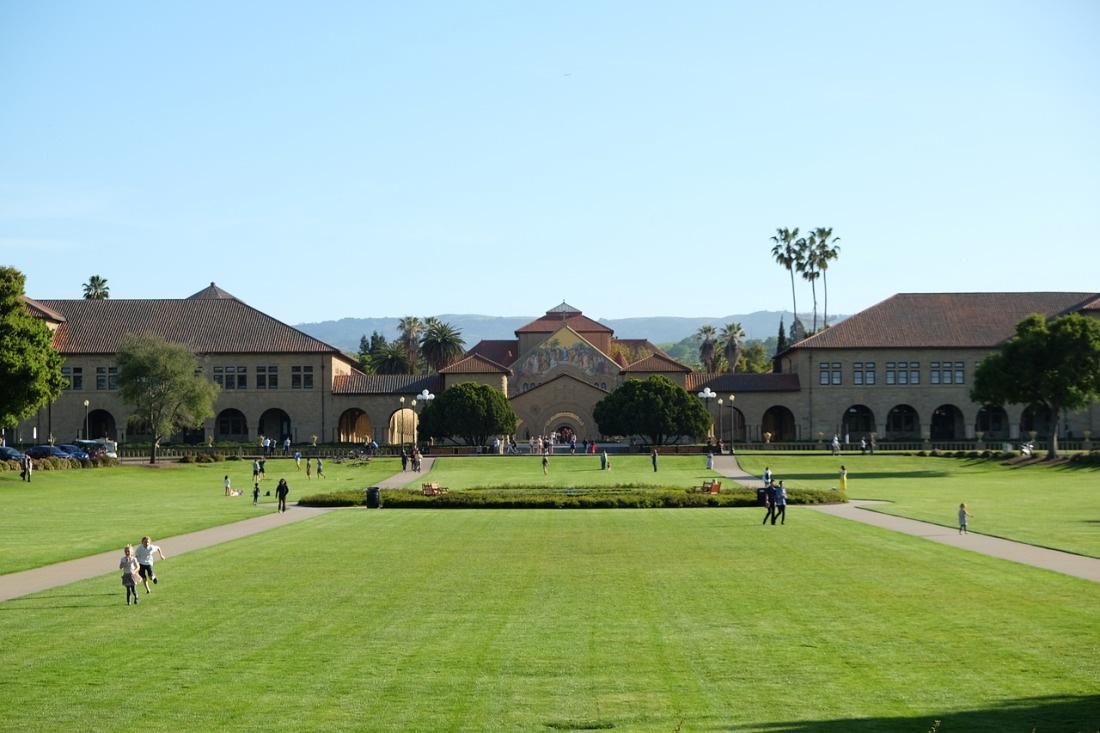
x=129, y=567
x=281, y=492
x=143, y=553
x=767, y=475
x=963, y=514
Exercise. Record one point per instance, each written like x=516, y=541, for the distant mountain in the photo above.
x=345, y=333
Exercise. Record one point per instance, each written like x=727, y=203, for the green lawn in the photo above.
x=636, y=620
x=1055, y=506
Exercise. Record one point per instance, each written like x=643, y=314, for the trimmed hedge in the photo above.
x=539, y=498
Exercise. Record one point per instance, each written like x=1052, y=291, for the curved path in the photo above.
x=26, y=582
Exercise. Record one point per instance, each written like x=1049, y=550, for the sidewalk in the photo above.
x=1060, y=562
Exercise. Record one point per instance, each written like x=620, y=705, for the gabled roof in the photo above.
x=358, y=383
x=567, y=315
x=38, y=310
x=737, y=382
x=659, y=362
x=501, y=351
x=204, y=325
x=212, y=292
x=945, y=320
x=475, y=364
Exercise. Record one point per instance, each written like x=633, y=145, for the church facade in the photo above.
x=900, y=370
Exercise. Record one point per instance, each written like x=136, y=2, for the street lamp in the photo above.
x=413, y=406
x=86, y=420
x=706, y=396
x=733, y=435
x=720, y=436
x=401, y=439
x=425, y=397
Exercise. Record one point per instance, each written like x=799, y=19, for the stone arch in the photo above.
x=231, y=424
x=902, y=423
x=779, y=422
x=564, y=419
x=354, y=426
x=947, y=423
x=274, y=424
x=992, y=422
x=101, y=424
x=1037, y=419
x=402, y=426
x=858, y=422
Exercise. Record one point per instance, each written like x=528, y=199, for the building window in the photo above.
x=823, y=377
x=903, y=373
x=106, y=377
x=74, y=377
x=959, y=370
x=891, y=373
x=301, y=377
x=267, y=377
x=836, y=373
x=914, y=372
x=934, y=372
x=242, y=377
x=857, y=373
x=219, y=377
x=869, y=373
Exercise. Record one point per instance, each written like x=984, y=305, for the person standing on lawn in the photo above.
x=143, y=553
x=228, y=489
x=129, y=567
x=256, y=495
x=545, y=462
x=281, y=492
x=843, y=478
x=653, y=459
x=320, y=468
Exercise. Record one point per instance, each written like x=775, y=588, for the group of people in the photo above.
x=137, y=567
x=775, y=499
x=411, y=458
x=269, y=446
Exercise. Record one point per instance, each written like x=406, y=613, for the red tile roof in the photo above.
x=738, y=382
x=659, y=362
x=205, y=325
x=553, y=321
x=358, y=383
x=475, y=364
x=501, y=351
x=945, y=320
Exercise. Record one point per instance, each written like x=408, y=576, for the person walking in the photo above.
x=28, y=468
x=143, y=553
x=298, y=460
x=653, y=459
x=309, y=470
x=129, y=567
x=320, y=468
x=780, y=511
x=256, y=495
x=767, y=475
x=263, y=468
x=963, y=515
x=545, y=462
x=281, y=492
x=603, y=461
x=843, y=478
x=255, y=470
x=769, y=502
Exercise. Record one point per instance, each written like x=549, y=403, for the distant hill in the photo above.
x=345, y=333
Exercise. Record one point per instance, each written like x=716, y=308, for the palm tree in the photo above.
x=409, y=330
x=392, y=359
x=730, y=338
x=442, y=344
x=827, y=250
x=706, y=333
x=809, y=267
x=786, y=253
x=96, y=288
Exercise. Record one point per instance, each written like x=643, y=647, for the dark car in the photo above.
x=46, y=451
x=74, y=451
x=8, y=453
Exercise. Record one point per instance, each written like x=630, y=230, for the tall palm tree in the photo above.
x=827, y=251
x=786, y=253
x=392, y=359
x=706, y=334
x=809, y=267
x=409, y=330
x=96, y=288
x=442, y=344
x=730, y=338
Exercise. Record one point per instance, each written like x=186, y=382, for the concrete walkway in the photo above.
x=1060, y=562
x=39, y=579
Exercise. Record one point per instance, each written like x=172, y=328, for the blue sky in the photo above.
x=369, y=159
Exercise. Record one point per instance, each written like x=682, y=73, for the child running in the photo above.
x=963, y=514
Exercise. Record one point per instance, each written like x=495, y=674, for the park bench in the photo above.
x=432, y=489
x=711, y=487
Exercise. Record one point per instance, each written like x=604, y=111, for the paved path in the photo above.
x=1060, y=562
x=51, y=576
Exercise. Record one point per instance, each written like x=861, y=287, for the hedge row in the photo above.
x=58, y=464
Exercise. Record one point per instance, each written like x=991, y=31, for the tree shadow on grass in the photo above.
x=1054, y=714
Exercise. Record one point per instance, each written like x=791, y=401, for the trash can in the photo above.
x=762, y=497
x=374, y=498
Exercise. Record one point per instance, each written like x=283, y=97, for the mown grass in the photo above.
x=544, y=620
x=1052, y=505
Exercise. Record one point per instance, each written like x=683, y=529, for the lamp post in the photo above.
x=401, y=438
x=415, y=421
x=733, y=434
x=706, y=396
x=719, y=421
x=425, y=398
x=86, y=420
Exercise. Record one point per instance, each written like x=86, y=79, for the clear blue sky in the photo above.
x=374, y=159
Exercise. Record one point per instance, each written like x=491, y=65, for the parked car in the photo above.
x=46, y=451
x=7, y=453
x=99, y=448
x=75, y=452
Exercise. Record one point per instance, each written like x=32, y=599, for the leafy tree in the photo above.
x=96, y=288
x=471, y=411
x=730, y=338
x=442, y=344
x=755, y=358
x=706, y=335
x=781, y=343
x=157, y=379
x=392, y=359
x=787, y=253
x=370, y=350
x=824, y=249
x=1053, y=364
x=30, y=369
x=656, y=408
x=409, y=330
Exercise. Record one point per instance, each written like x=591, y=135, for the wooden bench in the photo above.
x=711, y=487
x=432, y=489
